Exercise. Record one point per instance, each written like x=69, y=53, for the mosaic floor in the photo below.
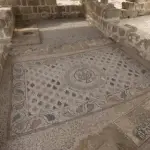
x=53, y=90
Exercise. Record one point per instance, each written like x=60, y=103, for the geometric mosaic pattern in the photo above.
x=54, y=90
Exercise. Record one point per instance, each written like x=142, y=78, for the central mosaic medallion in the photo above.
x=83, y=77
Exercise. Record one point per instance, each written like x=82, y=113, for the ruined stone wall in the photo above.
x=33, y=9
x=134, y=8
x=107, y=19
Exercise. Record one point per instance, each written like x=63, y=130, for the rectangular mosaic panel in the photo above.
x=54, y=90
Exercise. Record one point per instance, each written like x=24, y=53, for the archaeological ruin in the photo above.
x=74, y=74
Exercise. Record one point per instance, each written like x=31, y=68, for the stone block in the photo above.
x=51, y=2
x=35, y=9
x=2, y=23
x=23, y=2
x=53, y=9
x=128, y=13
x=13, y=2
x=98, y=10
x=42, y=2
x=16, y=10
x=26, y=10
x=143, y=12
x=146, y=5
x=43, y=9
x=33, y=2
x=136, y=6
x=104, y=1
x=46, y=9
x=2, y=2
x=128, y=5
x=111, y=14
x=2, y=55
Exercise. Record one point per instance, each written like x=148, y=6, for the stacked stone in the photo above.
x=134, y=8
x=102, y=10
x=104, y=16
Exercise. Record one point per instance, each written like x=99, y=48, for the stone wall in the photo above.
x=33, y=9
x=126, y=35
